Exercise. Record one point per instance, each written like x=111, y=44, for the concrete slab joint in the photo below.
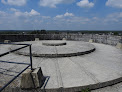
x=32, y=79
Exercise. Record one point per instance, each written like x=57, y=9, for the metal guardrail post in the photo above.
x=31, y=58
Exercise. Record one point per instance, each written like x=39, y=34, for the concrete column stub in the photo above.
x=36, y=39
x=38, y=77
x=26, y=79
x=32, y=79
x=7, y=41
x=119, y=45
x=91, y=40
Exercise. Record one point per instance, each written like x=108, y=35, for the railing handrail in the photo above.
x=11, y=51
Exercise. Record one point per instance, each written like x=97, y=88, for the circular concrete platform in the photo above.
x=53, y=43
x=98, y=69
x=53, y=48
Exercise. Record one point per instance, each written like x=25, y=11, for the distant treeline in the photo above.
x=59, y=32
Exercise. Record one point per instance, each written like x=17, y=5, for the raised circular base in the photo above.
x=54, y=49
x=53, y=43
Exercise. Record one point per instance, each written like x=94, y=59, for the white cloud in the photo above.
x=114, y=3
x=3, y=1
x=22, y=20
x=81, y=20
x=115, y=15
x=59, y=16
x=19, y=13
x=70, y=19
x=95, y=18
x=2, y=13
x=112, y=18
x=31, y=13
x=46, y=17
x=67, y=14
x=85, y=4
x=14, y=2
x=13, y=9
x=53, y=3
x=27, y=20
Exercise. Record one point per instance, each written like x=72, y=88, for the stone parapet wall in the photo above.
x=105, y=39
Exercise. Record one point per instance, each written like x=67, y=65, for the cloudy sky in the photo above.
x=61, y=14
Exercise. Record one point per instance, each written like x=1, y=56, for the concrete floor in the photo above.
x=70, y=47
x=103, y=65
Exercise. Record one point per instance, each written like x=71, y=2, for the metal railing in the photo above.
x=11, y=51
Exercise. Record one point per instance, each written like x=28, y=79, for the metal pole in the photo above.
x=13, y=79
x=12, y=51
x=30, y=57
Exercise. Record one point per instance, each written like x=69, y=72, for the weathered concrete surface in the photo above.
x=38, y=77
x=113, y=88
x=26, y=79
x=32, y=79
x=54, y=43
x=103, y=65
x=4, y=48
x=71, y=48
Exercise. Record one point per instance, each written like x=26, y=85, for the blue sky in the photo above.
x=61, y=14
